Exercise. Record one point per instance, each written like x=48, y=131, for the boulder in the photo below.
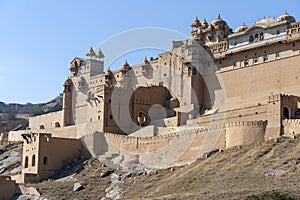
x=274, y=172
x=106, y=173
x=77, y=186
x=29, y=191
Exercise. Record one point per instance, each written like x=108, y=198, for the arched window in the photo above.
x=57, y=124
x=33, y=161
x=45, y=160
x=42, y=126
x=141, y=119
x=251, y=39
x=261, y=36
x=26, y=162
x=256, y=37
x=286, y=113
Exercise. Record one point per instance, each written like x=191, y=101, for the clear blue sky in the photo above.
x=40, y=38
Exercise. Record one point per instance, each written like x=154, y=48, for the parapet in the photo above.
x=247, y=123
x=291, y=122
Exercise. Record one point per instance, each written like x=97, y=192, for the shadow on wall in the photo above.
x=95, y=143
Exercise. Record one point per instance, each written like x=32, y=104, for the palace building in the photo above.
x=218, y=89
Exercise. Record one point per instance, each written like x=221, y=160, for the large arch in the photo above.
x=150, y=104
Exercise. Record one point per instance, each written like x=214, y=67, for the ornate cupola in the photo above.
x=91, y=53
x=99, y=55
x=146, y=62
x=109, y=76
x=146, y=68
x=196, y=23
x=286, y=17
x=125, y=69
x=204, y=24
x=219, y=23
x=241, y=28
x=125, y=80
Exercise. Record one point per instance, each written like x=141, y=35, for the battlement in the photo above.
x=247, y=124
x=291, y=122
x=283, y=97
x=185, y=132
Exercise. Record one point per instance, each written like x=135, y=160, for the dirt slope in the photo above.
x=235, y=173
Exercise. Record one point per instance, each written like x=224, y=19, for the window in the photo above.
x=255, y=60
x=251, y=39
x=261, y=36
x=110, y=116
x=265, y=58
x=246, y=62
x=42, y=127
x=33, y=161
x=277, y=55
x=45, y=160
x=256, y=37
x=286, y=113
x=57, y=125
x=141, y=119
x=26, y=162
x=234, y=65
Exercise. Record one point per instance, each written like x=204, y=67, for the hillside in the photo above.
x=264, y=169
x=15, y=116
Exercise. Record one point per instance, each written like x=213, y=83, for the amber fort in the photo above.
x=218, y=89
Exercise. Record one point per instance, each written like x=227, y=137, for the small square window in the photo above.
x=234, y=65
x=255, y=60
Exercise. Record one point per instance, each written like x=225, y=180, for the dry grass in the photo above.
x=236, y=173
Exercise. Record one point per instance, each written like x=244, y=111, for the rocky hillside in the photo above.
x=269, y=170
x=15, y=116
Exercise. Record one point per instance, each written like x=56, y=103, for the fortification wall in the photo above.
x=254, y=112
x=177, y=148
x=47, y=121
x=183, y=145
x=244, y=132
x=61, y=132
x=249, y=85
x=291, y=126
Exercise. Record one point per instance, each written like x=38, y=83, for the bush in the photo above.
x=273, y=195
